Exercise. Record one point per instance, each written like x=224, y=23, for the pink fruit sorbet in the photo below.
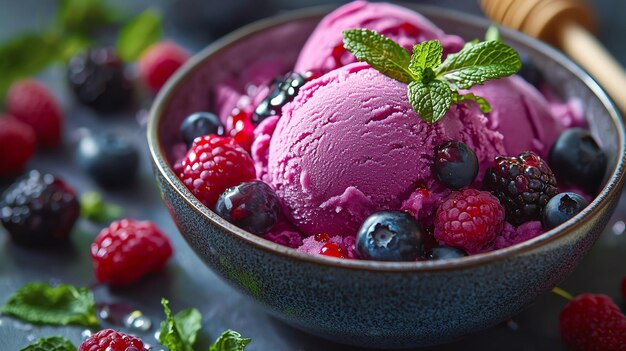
x=324, y=50
x=335, y=158
x=522, y=115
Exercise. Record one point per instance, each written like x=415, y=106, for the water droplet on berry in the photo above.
x=618, y=228
x=136, y=320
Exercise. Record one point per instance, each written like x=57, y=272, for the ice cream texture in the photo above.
x=324, y=49
x=334, y=159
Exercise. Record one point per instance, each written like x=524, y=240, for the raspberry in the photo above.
x=524, y=185
x=469, y=220
x=32, y=103
x=593, y=323
x=129, y=249
x=240, y=128
x=39, y=209
x=17, y=144
x=214, y=164
x=99, y=81
x=159, y=62
x=111, y=340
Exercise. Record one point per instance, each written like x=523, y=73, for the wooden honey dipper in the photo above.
x=565, y=24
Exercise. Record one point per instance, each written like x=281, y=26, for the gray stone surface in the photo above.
x=185, y=281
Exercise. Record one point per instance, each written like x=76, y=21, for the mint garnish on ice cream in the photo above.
x=434, y=85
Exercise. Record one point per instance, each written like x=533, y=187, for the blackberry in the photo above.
x=281, y=93
x=39, y=209
x=523, y=184
x=99, y=81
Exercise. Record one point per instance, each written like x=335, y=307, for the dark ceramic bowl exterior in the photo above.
x=368, y=303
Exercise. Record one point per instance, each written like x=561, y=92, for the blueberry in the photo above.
x=446, y=253
x=530, y=72
x=99, y=80
x=109, y=158
x=281, y=92
x=577, y=160
x=200, y=124
x=561, y=208
x=251, y=206
x=455, y=164
x=389, y=236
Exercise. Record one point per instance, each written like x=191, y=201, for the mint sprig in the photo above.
x=230, y=340
x=93, y=207
x=434, y=85
x=179, y=332
x=60, y=305
x=138, y=34
x=53, y=343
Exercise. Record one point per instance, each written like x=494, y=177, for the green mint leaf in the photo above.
x=484, y=105
x=179, y=333
x=425, y=55
x=93, y=207
x=477, y=63
x=138, y=34
x=53, y=343
x=382, y=53
x=493, y=33
x=230, y=341
x=26, y=55
x=60, y=305
x=82, y=17
x=431, y=100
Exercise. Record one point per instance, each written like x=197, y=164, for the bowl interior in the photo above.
x=278, y=40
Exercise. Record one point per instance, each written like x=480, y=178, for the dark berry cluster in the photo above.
x=281, y=93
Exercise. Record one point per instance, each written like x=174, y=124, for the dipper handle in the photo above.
x=565, y=24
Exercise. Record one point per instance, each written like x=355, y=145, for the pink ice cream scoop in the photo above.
x=335, y=158
x=324, y=49
x=523, y=115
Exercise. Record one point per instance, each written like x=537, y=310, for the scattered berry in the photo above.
x=577, y=160
x=200, y=124
x=332, y=250
x=39, y=209
x=281, y=93
x=593, y=323
x=530, y=72
x=98, y=80
x=469, y=220
x=32, y=103
x=17, y=145
x=251, y=206
x=127, y=250
x=561, y=208
x=524, y=185
x=455, y=165
x=111, y=340
x=214, y=164
x=446, y=253
x=159, y=62
x=109, y=158
x=389, y=236
x=240, y=128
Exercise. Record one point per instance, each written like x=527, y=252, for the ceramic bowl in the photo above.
x=369, y=303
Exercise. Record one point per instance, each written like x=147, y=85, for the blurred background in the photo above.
x=195, y=23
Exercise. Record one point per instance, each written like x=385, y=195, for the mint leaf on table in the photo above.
x=382, y=53
x=93, y=207
x=82, y=17
x=179, y=332
x=230, y=340
x=53, y=343
x=432, y=85
x=60, y=305
x=479, y=63
x=138, y=34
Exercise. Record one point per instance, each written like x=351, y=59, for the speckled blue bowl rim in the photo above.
x=613, y=184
